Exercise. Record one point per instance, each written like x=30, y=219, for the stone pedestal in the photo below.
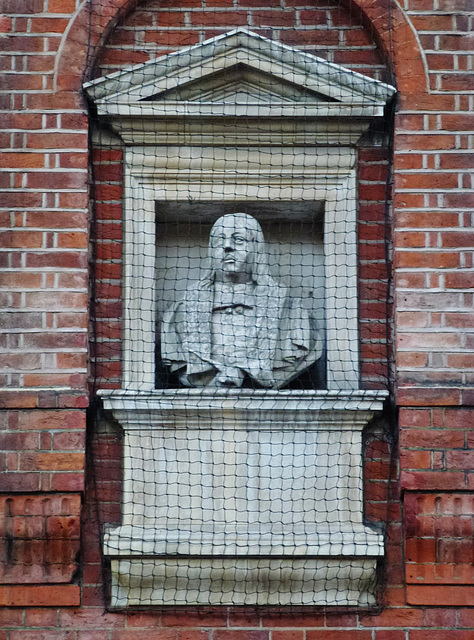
x=243, y=497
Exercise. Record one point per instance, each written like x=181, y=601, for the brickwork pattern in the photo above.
x=434, y=231
x=39, y=538
x=43, y=307
x=43, y=256
x=107, y=239
x=42, y=450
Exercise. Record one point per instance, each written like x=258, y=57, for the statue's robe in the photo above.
x=257, y=330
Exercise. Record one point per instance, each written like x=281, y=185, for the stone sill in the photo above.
x=248, y=408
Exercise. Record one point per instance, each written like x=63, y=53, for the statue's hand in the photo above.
x=229, y=377
x=266, y=379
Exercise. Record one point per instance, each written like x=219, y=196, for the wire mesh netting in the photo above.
x=240, y=442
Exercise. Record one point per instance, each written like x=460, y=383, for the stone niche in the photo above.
x=241, y=496
x=294, y=239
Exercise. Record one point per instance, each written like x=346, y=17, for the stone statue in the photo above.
x=237, y=321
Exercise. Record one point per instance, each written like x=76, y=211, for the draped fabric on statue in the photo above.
x=280, y=350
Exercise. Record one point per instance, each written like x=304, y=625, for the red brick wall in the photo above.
x=107, y=243
x=43, y=220
x=433, y=260
x=44, y=280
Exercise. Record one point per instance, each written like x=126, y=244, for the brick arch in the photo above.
x=84, y=38
x=396, y=40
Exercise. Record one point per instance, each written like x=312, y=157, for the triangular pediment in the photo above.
x=240, y=84
x=240, y=68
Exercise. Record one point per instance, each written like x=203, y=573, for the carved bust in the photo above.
x=237, y=322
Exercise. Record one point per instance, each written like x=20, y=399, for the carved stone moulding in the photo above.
x=238, y=75
x=243, y=497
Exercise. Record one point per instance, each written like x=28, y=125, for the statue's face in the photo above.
x=232, y=250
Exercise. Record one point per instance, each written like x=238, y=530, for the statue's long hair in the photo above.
x=260, y=271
